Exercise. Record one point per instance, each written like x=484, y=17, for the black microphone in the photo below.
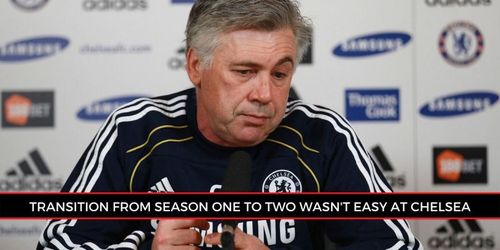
x=236, y=179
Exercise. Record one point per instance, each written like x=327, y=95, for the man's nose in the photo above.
x=262, y=89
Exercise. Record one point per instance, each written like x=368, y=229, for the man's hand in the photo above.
x=242, y=240
x=178, y=234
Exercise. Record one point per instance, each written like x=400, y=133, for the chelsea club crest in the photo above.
x=461, y=43
x=281, y=181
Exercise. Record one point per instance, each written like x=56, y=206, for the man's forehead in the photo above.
x=249, y=47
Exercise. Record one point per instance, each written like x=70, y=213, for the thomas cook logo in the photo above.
x=372, y=104
x=461, y=43
x=31, y=174
x=32, y=48
x=282, y=181
x=461, y=234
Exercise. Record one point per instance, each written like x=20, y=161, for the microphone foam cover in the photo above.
x=238, y=173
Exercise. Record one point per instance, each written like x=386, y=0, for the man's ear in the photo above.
x=193, y=67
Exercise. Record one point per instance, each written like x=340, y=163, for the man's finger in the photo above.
x=182, y=237
x=213, y=239
x=178, y=233
x=242, y=240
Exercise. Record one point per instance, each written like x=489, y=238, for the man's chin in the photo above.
x=249, y=139
x=249, y=142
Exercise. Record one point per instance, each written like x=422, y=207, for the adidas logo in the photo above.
x=24, y=166
x=31, y=174
x=456, y=227
x=162, y=186
x=396, y=181
x=461, y=234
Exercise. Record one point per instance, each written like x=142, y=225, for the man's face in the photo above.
x=242, y=95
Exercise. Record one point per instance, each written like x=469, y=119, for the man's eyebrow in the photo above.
x=285, y=60
x=245, y=64
x=256, y=65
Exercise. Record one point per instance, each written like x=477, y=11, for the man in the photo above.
x=241, y=55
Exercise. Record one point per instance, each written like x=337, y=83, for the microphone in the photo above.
x=236, y=179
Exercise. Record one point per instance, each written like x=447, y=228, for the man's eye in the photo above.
x=244, y=72
x=279, y=75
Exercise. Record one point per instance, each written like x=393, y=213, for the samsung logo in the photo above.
x=32, y=48
x=182, y=1
x=459, y=3
x=119, y=5
x=459, y=104
x=372, y=44
x=100, y=110
x=30, y=4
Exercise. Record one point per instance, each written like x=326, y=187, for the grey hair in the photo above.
x=209, y=19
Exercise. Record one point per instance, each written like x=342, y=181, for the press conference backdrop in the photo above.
x=419, y=81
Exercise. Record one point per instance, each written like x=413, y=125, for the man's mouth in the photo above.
x=256, y=119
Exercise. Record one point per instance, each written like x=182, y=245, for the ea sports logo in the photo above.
x=282, y=181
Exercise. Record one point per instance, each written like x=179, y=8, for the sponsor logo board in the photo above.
x=32, y=48
x=182, y=1
x=372, y=104
x=459, y=165
x=461, y=234
x=117, y=48
x=457, y=3
x=114, y=5
x=461, y=43
x=29, y=5
x=101, y=109
x=372, y=44
x=459, y=104
x=27, y=109
x=31, y=174
x=395, y=178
